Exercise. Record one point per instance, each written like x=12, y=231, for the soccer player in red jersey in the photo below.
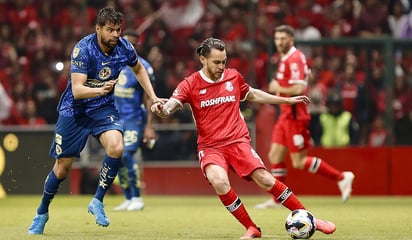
x=214, y=94
x=291, y=132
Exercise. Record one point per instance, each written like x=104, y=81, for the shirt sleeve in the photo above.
x=131, y=54
x=243, y=86
x=79, y=60
x=181, y=93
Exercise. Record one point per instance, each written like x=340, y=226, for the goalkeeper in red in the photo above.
x=214, y=94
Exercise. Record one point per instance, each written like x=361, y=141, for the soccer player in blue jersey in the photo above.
x=87, y=108
x=132, y=102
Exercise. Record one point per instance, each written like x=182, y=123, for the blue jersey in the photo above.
x=129, y=94
x=88, y=58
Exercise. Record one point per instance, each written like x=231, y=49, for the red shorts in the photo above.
x=240, y=157
x=294, y=134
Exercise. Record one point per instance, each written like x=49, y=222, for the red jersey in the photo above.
x=293, y=70
x=215, y=107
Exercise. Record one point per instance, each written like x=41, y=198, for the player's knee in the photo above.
x=263, y=179
x=115, y=151
x=220, y=185
x=61, y=171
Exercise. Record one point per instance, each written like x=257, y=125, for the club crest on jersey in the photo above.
x=76, y=52
x=105, y=73
x=229, y=86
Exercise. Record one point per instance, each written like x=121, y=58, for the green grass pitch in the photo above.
x=204, y=217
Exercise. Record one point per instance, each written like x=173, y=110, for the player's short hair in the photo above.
x=286, y=29
x=207, y=45
x=109, y=15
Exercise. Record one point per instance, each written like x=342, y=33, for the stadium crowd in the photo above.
x=37, y=36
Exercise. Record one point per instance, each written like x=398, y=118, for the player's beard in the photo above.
x=283, y=49
x=216, y=74
x=111, y=43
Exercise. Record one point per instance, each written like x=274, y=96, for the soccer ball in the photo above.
x=300, y=224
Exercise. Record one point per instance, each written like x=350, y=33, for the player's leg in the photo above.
x=133, y=173
x=69, y=140
x=125, y=185
x=133, y=134
x=276, y=156
x=286, y=197
x=276, y=188
x=112, y=142
x=316, y=165
x=215, y=168
x=219, y=180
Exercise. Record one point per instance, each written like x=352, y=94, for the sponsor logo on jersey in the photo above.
x=202, y=91
x=76, y=52
x=94, y=83
x=216, y=101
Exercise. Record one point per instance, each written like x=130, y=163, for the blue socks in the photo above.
x=51, y=186
x=107, y=175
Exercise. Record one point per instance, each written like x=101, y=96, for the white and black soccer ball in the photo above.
x=300, y=224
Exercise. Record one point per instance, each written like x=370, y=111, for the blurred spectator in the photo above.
x=5, y=104
x=338, y=128
x=181, y=17
x=402, y=94
x=30, y=114
x=316, y=108
x=373, y=19
x=45, y=94
x=305, y=31
x=400, y=20
x=349, y=89
x=403, y=128
x=378, y=135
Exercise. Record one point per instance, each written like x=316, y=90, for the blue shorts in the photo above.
x=132, y=135
x=71, y=133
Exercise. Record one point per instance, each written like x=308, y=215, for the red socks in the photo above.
x=279, y=171
x=316, y=165
x=235, y=206
x=285, y=196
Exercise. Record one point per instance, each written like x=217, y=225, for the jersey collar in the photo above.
x=204, y=77
x=290, y=52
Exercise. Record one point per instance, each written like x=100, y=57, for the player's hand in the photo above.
x=159, y=110
x=108, y=87
x=299, y=99
x=159, y=100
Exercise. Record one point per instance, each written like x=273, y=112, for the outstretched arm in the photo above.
x=259, y=96
x=144, y=80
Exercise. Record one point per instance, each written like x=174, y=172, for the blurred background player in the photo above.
x=87, y=108
x=214, y=94
x=291, y=132
x=132, y=102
